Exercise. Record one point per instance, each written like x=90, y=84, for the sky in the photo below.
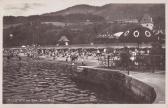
x=37, y=7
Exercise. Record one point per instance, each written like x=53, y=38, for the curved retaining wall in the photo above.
x=112, y=79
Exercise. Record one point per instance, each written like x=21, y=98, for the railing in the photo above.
x=135, y=63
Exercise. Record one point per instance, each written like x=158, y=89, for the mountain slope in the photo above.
x=78, y=9
x=114, y=11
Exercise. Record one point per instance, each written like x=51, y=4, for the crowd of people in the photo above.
x=118, y=57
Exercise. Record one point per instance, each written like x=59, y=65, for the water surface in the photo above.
x=41, y=81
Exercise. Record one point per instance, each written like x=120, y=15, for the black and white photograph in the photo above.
x=83, y=52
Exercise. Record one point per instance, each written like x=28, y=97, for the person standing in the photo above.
x=125, y=58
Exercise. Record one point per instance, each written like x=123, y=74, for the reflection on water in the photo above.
x=39, y=81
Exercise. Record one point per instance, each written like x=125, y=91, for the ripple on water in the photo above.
x=45, y=82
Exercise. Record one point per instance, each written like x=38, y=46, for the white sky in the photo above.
x=35, y=7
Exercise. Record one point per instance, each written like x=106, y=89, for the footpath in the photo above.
x=156, y=80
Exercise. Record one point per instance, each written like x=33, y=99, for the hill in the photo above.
x=114, y=11
x=80, y=23
x=78, y=9
x=109, y=12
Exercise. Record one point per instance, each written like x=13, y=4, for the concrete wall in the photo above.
x=112, y=79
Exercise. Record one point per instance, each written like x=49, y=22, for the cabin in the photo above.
x=63, y=40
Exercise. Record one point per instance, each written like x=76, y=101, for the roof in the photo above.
x=110, y=35
x=63, y=38
x=137, y=34
x=118, y=34
x=146, y=18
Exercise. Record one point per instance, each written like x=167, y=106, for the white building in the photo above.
x=147, y=21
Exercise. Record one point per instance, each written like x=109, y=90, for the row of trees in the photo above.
x=48, y=34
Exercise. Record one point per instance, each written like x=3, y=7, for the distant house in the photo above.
x=63, y=40
x=146, y=21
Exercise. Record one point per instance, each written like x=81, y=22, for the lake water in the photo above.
x=40, y=81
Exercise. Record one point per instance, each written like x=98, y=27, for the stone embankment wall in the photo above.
x=112, y=79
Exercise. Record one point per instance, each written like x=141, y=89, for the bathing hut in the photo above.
x=63, y=40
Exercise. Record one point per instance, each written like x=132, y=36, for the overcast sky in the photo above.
x=36, y=7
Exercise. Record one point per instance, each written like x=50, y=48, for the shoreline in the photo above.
x=155, y=80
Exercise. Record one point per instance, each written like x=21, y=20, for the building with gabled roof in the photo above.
x=147, y=21
x=63, y=40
